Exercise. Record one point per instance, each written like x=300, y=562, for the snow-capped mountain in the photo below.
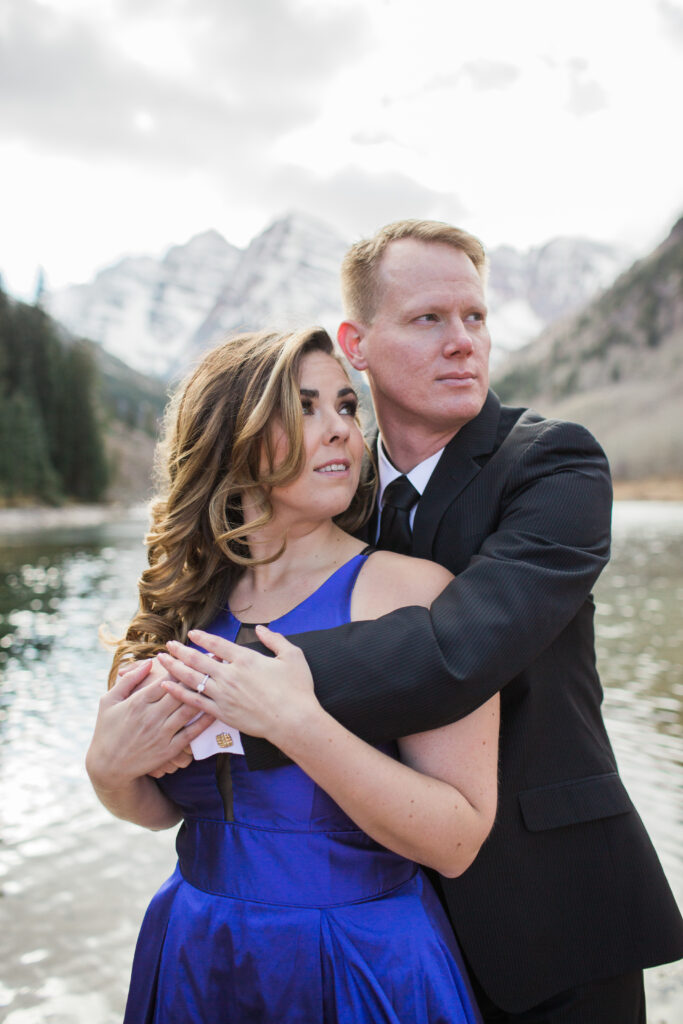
x=143, y=310
x=287, y=277
x=529, y=290
x=158, y=315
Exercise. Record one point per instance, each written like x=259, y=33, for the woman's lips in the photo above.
x=335, y=466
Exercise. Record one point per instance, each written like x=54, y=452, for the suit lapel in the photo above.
x=455, y=469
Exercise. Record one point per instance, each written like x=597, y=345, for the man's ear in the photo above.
x=350, y=338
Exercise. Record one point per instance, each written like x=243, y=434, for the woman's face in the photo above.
x=333, y=444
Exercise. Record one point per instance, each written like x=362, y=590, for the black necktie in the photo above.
x=397, y=501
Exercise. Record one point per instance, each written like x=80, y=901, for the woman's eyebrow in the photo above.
x=314, y=393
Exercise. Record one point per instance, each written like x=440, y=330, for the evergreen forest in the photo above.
x=51, y=439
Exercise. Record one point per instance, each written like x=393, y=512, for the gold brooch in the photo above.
x=224, y=739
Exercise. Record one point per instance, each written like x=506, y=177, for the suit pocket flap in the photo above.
x=569, y=803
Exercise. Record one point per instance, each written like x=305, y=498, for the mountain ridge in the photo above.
x=616, y=366
x=159, y=315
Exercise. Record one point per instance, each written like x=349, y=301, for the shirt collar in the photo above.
x=419, y=475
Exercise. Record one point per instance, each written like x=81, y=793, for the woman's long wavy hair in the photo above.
x=216, y=431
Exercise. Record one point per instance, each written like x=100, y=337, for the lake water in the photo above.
x=74, y=882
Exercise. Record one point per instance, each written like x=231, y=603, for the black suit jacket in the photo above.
x=568, y=887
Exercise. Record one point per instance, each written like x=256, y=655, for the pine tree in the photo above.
x=51, y=444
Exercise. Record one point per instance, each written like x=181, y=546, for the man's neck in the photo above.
x=407, y=447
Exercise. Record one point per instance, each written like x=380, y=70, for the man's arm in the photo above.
x=418, y=669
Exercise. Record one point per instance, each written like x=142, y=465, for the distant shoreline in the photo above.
x=651, y=489
x=31, y=518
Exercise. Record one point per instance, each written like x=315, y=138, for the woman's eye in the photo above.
x=307, y=406
x=349, y=408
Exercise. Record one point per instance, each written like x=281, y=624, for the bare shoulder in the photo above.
x=388, y=581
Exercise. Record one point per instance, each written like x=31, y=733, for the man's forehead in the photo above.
x=414, y=264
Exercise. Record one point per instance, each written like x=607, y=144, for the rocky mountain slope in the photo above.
x=529, y=290
x=158, y=315
x=617, y=367
x=144, y=310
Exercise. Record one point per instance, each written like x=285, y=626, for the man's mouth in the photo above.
x=457, y=379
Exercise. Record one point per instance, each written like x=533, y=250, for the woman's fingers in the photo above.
x=183, y=673
x=189, y=656
x=128, y=680
x=189, y=697
x=275, y=642
x=216, y=645
x=135, y=666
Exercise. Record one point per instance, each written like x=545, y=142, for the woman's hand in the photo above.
x=139, y=730
x=151, y=671
x=256, y=694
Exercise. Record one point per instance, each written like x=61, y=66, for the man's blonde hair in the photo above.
x=360, y=268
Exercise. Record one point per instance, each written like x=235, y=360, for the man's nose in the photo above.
x=457, y=338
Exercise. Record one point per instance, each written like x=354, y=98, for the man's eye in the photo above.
x=477, y=317
x=428, y=317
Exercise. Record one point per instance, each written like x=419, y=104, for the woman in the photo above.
x=297, y=896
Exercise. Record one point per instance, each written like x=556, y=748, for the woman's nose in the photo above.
x=338, y=426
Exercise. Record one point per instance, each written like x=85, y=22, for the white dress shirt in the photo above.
x=418, y=476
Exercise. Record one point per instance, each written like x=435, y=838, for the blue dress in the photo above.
x=282, y=911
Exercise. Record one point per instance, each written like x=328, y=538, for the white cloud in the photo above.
x=131, y=124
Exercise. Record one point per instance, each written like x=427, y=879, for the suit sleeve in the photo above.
x=417, y=669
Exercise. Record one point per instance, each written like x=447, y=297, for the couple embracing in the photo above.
x=433, y=702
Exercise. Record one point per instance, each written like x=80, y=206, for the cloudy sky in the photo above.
x=129, y=125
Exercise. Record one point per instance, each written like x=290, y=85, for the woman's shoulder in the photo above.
x=388, y=581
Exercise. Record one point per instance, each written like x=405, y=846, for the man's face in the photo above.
x=427, y=349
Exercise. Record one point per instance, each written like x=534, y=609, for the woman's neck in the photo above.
x=312, y=553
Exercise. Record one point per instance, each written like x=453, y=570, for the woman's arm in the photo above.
x=437, y=808
x=137, y=731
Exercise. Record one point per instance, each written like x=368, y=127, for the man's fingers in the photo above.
x=196, y=728
x=184, y=758
x=182, y=716
x=181, y=760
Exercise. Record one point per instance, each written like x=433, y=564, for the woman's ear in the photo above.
x=350, y=337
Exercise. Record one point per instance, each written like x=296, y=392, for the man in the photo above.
x=566, y=902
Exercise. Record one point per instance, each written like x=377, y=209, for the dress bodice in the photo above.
x=280, y=908
x=284, y=797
